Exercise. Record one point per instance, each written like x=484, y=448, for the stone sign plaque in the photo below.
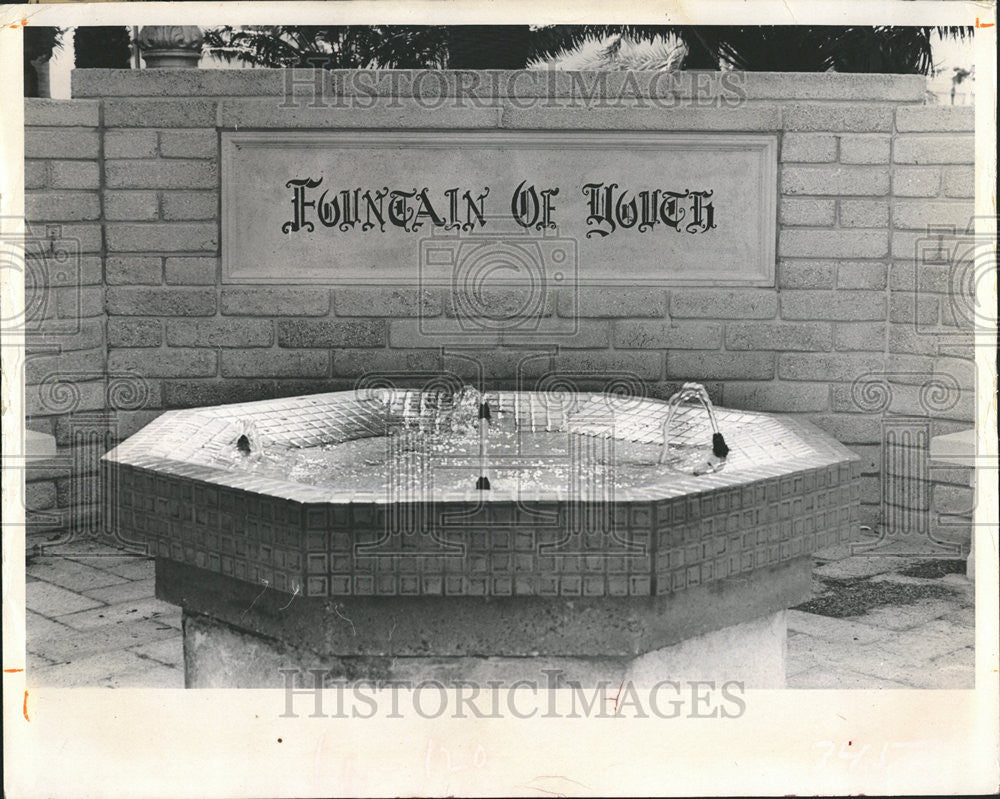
x=374, y=207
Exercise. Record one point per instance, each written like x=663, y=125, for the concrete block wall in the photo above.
x=864, y=169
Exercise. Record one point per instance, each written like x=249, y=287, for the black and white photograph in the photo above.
x=535, y=401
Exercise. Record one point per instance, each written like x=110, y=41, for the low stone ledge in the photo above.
x=466, y=626
x=709, y=86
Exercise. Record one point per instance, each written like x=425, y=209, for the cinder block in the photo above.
x=642, y=334
x=934, y=150
x=959, y=181
x=298, y=333
x=135, y=270
x=87, y=270
x=133, y=206
x=835, y=306
x=232, y=332
x=164, y=362
x=63, y=143
x=612, y=302
x=191, y=271
x=195, y=393
x=390, y=113
x=86, y=392
x=275, y=363
x=860, y=337
x=189, y=143
x=442, y=332
x=60, y=113
x=357, y=363
x=863, y=149
x=827, y=367
x=164, y=83
x=275, y=302
x=837, y=117
x=127, y=332
x=954, y=499
x=806, y=274
x=130, y=144
x=801, y=243
x=932, y=118
x=190, y=205
x=809, y=212
x=721, y=304
x=190, y=112
x=916, y=181
x=765, y=336
x=40, y=495
x=36, y=174
x=74, y=175
x=913, y=308
x=387, y=302
x=913, y=215
x=601, y=364
x=809, y=147
x=850, y=428
x=61, y=206
x=88, y=335
x=831, y=180
x=861, y=275
x=78, y=303
x=720, y=365
x=160, y=173
x=39, y=368
x=162, y=236
x=84, y=237
x=642, y=116
x=778, y=397
x=905, y=339
x=864, y=213
x=160, y=302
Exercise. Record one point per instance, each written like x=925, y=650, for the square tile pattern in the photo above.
x=173, y=495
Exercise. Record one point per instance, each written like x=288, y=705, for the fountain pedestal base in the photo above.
x=237, y=636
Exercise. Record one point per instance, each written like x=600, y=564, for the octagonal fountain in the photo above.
x=400, y=534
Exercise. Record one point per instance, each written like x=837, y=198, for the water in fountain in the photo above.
x=432, y=440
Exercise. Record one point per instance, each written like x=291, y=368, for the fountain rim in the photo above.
x=140, y=451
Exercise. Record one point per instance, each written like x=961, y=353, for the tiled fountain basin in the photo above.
x=531, y=570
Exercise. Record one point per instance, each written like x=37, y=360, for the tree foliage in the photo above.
x=102, y=47
x=889, y=49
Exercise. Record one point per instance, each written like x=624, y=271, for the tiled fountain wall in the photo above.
x=854, y=335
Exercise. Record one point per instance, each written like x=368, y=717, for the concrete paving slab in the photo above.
x=74, y=575
x=150, y=675
x=54, y=601
x=151, y=609
x=929, y=641
x=134, y=569
x=108, y=640
x=99, y=670
x=41, y=628
x=124, y=591
x=840, y=630
x=169, y=651
x=820, y=678
x=905, y=617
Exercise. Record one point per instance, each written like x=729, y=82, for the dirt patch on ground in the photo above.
x=934, y=569
x=842, y=597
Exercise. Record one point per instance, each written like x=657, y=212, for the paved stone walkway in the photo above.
x=92, y=620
